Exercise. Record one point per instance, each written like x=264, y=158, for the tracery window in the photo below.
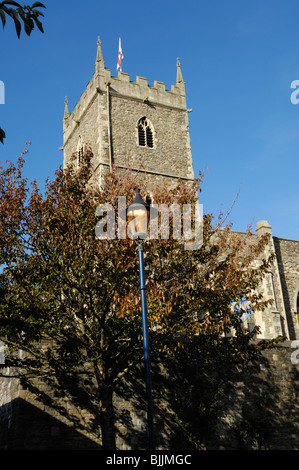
x=145, y=133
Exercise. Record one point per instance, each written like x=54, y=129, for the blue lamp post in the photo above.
x=138, y=218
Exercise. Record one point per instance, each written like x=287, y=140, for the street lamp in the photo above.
x=138, y=217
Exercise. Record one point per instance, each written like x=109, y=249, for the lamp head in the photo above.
x=138, y=217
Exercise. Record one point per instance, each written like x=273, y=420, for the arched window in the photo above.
x=145, y=133
x=298, y=302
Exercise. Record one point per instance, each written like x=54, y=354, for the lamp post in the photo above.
x=138, y=218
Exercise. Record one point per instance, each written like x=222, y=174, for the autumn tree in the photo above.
x=26, y=14
x=71, y=303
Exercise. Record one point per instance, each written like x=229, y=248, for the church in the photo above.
x=147, y=128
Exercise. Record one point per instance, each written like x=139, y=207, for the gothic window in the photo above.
x=145, y=133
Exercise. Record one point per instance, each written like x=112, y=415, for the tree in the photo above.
x=78, y=296
x=27, y=14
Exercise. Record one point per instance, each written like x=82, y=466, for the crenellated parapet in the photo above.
x=107, y=116
x=122, y=86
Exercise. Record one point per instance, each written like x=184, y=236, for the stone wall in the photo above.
x=35, y=414
x=250, y=407
x=281, y=286
x=262, y=407
x=287, y=252
x=169, y=156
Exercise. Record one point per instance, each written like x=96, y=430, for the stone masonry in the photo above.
x=281, y=285
x=256, y=407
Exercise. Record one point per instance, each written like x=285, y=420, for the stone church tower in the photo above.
x=131, y=124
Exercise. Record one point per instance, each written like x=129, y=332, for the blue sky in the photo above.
x=238, y=60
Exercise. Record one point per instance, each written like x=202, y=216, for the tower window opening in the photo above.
x=141, y=136
x=297, y=303
x=145, y=133
x=149, y=137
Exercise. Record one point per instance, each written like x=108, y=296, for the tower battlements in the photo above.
x=122, y=86
x=113, y=113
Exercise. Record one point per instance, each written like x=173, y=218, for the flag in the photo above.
x=120, y=56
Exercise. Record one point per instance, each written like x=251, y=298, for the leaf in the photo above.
x=29, y=25
x=11, y=2
x=37, y=13
x=14, y=14
x=3, y=18
x=38, y=24
x=22, y=13
x=38, y=4
x=2, y=135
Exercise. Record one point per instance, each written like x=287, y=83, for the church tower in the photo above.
x=131, y=124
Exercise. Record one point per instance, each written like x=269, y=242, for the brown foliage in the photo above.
x=79, y=295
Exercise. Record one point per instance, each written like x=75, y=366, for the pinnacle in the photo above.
x=99, y=58
x=179, y=76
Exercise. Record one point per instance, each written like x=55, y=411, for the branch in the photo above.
x=27, y=14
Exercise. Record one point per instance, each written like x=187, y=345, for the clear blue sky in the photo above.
x=238, y=60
